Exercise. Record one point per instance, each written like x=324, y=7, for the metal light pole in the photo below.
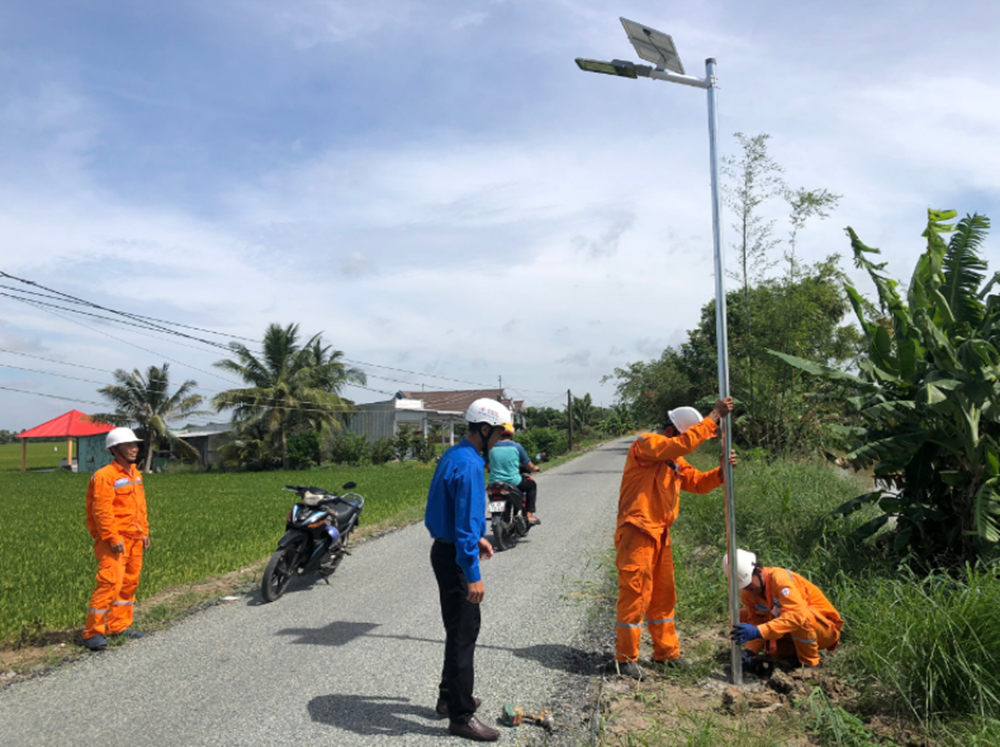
x=658, y=47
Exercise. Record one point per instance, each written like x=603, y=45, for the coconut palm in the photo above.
x=290, y=386
x=144, y=400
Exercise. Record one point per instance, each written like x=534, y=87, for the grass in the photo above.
x=40, y=455
x=201, y=525
x=922, y=653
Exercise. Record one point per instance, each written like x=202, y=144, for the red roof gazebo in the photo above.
x=70, y=425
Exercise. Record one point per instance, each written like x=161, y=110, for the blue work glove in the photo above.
x=744, y=633
x=749, y=660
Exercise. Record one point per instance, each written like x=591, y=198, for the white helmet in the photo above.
x=745, y=561
x=488, y=410
x=684, y=417
x=118, y=436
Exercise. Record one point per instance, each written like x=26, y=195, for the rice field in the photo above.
x=40, y=455
x=201, y=525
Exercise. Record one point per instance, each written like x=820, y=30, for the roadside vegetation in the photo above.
x=908, y=402
x=920, y=655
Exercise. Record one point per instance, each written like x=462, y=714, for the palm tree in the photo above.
x=145, y=401
x=289, y=385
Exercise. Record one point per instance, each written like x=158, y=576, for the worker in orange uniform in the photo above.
x=784, y=615
x=655, y=473
x=116, y=519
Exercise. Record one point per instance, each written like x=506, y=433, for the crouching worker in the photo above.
x=784, y=615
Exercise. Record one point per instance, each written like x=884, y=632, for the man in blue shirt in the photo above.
x=456, y=518
x=507, y=459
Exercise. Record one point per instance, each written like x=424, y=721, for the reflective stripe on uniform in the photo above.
x=660, y=621
x=130, y=603
x=629, y=625
x=92, y=611
x=804, y=640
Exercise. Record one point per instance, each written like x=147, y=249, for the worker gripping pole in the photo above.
x=721, y=335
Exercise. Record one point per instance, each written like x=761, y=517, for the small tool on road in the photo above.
x=513, y=715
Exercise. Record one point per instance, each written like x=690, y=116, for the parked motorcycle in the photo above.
x=317, y=532
x=508, y=514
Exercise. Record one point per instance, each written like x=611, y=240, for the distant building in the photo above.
x=422, y=411
x=206, y=439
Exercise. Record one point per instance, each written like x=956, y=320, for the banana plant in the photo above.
x=925, y=399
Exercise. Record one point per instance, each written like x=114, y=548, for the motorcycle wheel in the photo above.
x=503, y=537
x=278, y=574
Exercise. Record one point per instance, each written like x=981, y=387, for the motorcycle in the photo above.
x=508, y=514
x=317, y=533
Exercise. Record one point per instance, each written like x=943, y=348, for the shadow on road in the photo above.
x=338, y=633
x=556, y=656
x=370, y=715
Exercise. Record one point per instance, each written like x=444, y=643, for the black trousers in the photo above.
x=530, y=489
x=461, y=625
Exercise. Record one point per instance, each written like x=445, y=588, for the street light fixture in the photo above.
x=658, y=48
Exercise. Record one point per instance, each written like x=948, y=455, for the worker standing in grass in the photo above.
x=116, y=519
x=649, y=500
x=784, y=615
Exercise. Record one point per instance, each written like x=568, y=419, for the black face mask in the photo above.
x=486, y=440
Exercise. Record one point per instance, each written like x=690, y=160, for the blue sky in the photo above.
x=365, y=169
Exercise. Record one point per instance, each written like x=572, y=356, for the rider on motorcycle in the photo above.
x=508, y=460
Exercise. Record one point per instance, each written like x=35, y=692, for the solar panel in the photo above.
x=654, y=46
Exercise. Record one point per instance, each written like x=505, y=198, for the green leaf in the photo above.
x=818, y=369
x=869, y=528
x=953, y=477
x=931, y=395
x=845, y=509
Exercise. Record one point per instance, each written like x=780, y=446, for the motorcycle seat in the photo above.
x=503, y=488
x=313, y=499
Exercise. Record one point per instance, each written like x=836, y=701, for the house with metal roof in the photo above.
x=422, y=411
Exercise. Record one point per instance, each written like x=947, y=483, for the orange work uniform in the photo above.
x=655, y=473
x=793, y=616
x=116, y=512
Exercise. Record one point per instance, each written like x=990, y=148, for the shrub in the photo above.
x=551, y=441
x=527, y=440
x=380, y=450
x=304, y=449
x=403, y=442
x=349, y=448
x=424, y=449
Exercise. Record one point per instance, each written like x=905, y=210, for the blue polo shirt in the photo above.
x=456, y=505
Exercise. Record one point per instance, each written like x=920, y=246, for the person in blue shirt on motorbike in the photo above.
x=508, y=460
x=456, y=519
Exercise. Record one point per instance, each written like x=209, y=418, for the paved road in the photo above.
x=353, y=663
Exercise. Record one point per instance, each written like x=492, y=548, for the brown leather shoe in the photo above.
x=442, y=706
x=475, y=730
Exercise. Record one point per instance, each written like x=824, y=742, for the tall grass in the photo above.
x=927, y=648
x=934, y=641
x=200, y=525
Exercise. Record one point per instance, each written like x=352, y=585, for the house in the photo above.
x=206, y=439
x=422, y=411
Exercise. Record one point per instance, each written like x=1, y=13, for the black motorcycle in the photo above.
x=508, y=514
x=318, y=529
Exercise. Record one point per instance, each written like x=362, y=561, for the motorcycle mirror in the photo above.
x=348, y=486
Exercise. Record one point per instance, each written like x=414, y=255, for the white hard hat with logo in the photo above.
x=684, y=417
x=119, y=436
x=745, y=561
x=488, y=410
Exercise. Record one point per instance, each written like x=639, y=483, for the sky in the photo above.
x=435, y=186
